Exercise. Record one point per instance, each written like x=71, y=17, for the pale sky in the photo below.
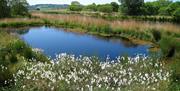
x=84, y=2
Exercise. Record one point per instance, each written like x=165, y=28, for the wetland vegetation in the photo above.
x=23, y=67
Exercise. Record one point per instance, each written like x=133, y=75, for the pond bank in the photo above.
x=140, y=32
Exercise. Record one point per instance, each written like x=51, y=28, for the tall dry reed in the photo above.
x=126, y=24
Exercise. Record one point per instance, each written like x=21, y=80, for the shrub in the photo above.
x=156, y=35
x=107, y=8
x=105, y=29
x=175, y=77
x=168, y=46
x=163, y=11
x=176, y=14
x=12, y=55
x=75, y=7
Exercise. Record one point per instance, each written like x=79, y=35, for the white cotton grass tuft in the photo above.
x=88, y=74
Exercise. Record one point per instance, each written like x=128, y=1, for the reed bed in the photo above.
x=141, y=26
x=84, y=20
x=20, y=22
x=125, y=25
x=128, y=28
x=8, y=20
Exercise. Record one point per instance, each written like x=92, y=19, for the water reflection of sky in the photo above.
x=54, y=41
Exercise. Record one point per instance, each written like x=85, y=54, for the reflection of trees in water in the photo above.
x=126, y=42
x=19, y=31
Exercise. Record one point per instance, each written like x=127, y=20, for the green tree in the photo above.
x=91, y=7
x=172, y=7
x=163, y=3
x=131, y=7
x=4, y=9
x=75, y=3
x=75, y=6
x=156, y=7
x=150, y=8
x=176, y=14
x=106, y=8
x=19, y=7
x=163, y=11
x=115, y=6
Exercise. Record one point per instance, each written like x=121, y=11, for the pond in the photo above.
x=55, y=41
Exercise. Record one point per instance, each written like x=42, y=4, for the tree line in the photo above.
x=133, y=7
x=108, y=8
x=10, y=8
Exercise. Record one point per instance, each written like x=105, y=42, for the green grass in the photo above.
x=12, y=52
x=20, y=24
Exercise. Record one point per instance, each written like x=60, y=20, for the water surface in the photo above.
x=55, y=41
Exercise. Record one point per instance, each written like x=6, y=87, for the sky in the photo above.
x=84, y=2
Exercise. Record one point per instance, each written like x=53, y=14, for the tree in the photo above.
x=172, y=7
x=115, y=6
x=131, y=7
x=107, y=8
x=163, y=11
x=75, y=6
x=176, y=14
x=4, y=9
x=156, y=7
x=19, y=7
x=163, y=3
x=75, y=3
x=150, y=8
x=91, y=7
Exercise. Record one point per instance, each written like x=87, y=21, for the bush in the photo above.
x=156, y=35
x=75, y=7
x=163, y=11
x=12, y=56
x=172, y=7
x=107, y=8
x=175, y=77
x=168, y=46
x=91, y=7
x=176, y=14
